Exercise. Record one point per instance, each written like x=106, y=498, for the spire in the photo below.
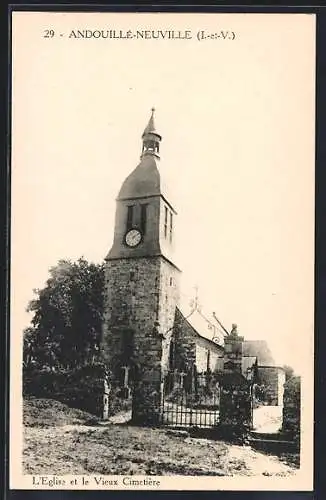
x=151, y=138
x=150, y=128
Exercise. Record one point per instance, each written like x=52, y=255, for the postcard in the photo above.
x=162, y=251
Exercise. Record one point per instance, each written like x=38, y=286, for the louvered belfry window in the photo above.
x=130, y=217
x=143, y=217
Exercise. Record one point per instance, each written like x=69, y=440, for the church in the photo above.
x=154, y=350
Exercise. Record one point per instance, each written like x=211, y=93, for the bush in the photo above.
x=292, y=408
x=80, y=388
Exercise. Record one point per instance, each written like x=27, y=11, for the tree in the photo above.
x=29, y=347
x=289, y=372
x=67, y=321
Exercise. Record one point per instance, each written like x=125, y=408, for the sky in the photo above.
x=237, y=121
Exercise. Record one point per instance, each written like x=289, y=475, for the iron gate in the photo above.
x=191, y=400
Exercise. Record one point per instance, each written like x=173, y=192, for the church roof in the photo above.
x=201, y=326
x=144, y=180
x=147, y=180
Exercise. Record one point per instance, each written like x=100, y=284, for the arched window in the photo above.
x=171, y=355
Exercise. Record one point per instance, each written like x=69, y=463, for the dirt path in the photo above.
x=259, y=464
x=120, y=449
x=267, y=419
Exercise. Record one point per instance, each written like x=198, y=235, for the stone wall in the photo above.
x=272, y=379
x=208, y=357
x=216, y=361
x=184, y=342
x=202, y=358
x=169, y=296
x=281, y=382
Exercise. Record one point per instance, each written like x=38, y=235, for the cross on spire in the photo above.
x=195, y=304
x=150, y=127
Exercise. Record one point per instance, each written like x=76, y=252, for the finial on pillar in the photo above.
x=234, y=330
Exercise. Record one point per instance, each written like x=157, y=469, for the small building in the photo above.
x=192, y=346
x=270, y=377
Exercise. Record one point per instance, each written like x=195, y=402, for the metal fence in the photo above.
x=191, y=400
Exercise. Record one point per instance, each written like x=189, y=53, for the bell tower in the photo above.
x=145, y=218
x=141, y=285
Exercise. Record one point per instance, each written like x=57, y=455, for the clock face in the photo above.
x=133, y=238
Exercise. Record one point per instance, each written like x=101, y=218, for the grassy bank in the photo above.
x=60, y=440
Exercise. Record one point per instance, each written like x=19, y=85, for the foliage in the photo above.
x=292, y=408
x=66, y=325
x=79, y=387
x=289, y=372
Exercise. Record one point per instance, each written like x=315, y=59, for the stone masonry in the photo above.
x=141, y=295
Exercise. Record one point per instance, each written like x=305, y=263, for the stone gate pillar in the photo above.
x=147, y=401
x=235, y=404
x=236, y=397
x=233, y=346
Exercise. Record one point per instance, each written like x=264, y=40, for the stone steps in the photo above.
x=272, y=442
